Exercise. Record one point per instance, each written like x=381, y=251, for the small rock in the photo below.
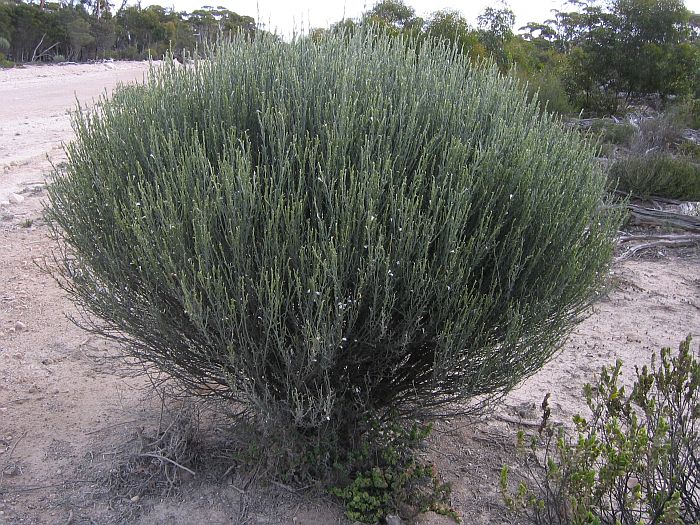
x=15, y=199
x=135, y=499
x=393, y=519
x=2, y=334
x=20, y=326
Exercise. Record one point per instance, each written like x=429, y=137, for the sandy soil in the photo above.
x=34, y=117
x=67, y=413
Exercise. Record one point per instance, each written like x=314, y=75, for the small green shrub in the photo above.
x=689, y=150
x=661, y=175
x=634, y=461
x=4, y=62
x=58, y=58
x=685, y=113
x=547, y=88
x=382, y=476
x=334, y=231
x=610, y=132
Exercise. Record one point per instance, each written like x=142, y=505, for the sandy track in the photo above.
x=63, y=414
x=34, y=113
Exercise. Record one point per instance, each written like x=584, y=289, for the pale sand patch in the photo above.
x=34, y=114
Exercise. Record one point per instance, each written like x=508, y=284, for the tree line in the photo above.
x=590, y=55
x=93, y=29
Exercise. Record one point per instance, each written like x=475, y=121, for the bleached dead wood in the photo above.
x=649, y=217
x=658, y=217
x=652, y=242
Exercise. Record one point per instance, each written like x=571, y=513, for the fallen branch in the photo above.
x=643, y=237
x=517, y=421
x=6, y=463
x=37, y=47
x=679, y=242
x=649, y=217
x=46, y=51
x=157, y=456
x=112, y=426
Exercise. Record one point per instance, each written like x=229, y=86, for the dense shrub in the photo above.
x=661, y=175
x=635, y=461
x=689, y=150
x=685, y=113
x=330, y=230
x=611, y=132
x=548, y=89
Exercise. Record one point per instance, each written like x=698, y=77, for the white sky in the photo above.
x=288, y=15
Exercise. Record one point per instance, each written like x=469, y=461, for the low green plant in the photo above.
x=689, y=150
x=685, y=113
x=610, y=132
x=4, y=62
x=661, y=175
x=383, y=476
x=547, y=88
x=634, y=461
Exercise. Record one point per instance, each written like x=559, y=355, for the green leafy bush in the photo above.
x=685, y=113
x=548, y=88
x=661, y=175
x=382, y=476
x=4, y=62
x=4, y=46
x=327, y=231
x=635, y=461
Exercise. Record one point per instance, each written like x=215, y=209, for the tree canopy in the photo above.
x=592, y=52
x=92, y=29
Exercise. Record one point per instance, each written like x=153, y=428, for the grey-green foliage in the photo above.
x=660, y=175
x=324, y=230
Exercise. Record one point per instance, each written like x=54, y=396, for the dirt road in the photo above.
x=34, y=113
